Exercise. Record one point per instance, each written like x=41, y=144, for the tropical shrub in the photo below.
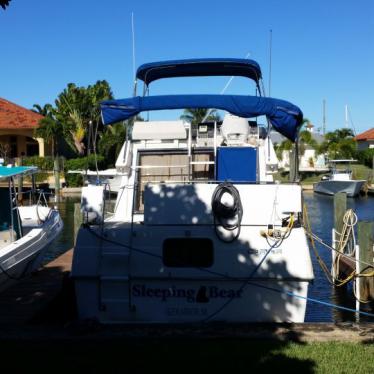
x=339, y=144
x=111, y=141
x=365, y=157
x=42, y=163
x=81, y=163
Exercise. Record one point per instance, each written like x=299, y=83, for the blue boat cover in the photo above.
x=284, y=116
x=199, y=67
x=15, y=171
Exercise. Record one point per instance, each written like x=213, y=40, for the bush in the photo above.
x=81, y=163
x=74, y=180
x=42, y=163
x=366, y=157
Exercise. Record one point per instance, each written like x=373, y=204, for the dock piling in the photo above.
x=340, y=207
x=78, y=219
x=56, y=173
x=365, y=285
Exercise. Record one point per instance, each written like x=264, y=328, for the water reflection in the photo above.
x=321, y=215
x=66, y=240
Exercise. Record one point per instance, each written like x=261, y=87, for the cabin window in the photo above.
x=160, y=168
x=171, y=168
x=188, y=252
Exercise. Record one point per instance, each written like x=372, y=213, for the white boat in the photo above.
x=25, y=240
x=200, y=231
x=109, y=177
x=339, y=180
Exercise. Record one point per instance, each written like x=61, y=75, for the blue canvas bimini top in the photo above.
x=15, y=171
x=199, y=67
x=285, y=117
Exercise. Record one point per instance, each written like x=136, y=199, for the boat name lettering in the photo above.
x=274, y=251
x=201, y=295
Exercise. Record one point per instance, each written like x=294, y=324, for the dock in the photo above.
x=24, y=301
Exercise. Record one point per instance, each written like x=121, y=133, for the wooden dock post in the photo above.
x=78, y=219
x=365, y=285
x=56, y=172
x=340, y=207
x=20, y=183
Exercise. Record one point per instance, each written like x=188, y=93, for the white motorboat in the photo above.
x=25, y=238
x=200, y=231
x=109, y=177
x=339, y=180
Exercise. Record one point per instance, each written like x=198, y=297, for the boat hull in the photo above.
x=178, y=301
x=20, y=258
x=351, y=188
x=126, y=278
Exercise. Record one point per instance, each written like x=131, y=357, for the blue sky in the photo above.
x=322, y=49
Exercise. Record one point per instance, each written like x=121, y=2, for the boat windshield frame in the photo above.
x=208, y=67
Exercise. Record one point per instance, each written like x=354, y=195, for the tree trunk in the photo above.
x=79, y=146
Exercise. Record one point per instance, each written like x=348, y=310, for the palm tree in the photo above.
x=49, y=130
x=339, y=144
x=45, y=111
x=4, y=3
x=77, y=107
x=195, y=116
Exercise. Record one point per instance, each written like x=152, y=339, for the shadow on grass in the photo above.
x=174, y=355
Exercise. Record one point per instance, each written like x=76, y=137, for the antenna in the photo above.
x=224, y=89
x=133, y=44
x=270, y=50
x=324, y=117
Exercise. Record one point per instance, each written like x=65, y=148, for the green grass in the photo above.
x=362, y=172
x=186, y=355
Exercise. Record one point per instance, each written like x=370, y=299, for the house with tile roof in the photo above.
x=365, y=140
x=17, y=125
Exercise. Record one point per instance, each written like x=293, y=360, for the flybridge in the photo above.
x=284, y=116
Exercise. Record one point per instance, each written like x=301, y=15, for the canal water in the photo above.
x=321, y=215
x=321, y=212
